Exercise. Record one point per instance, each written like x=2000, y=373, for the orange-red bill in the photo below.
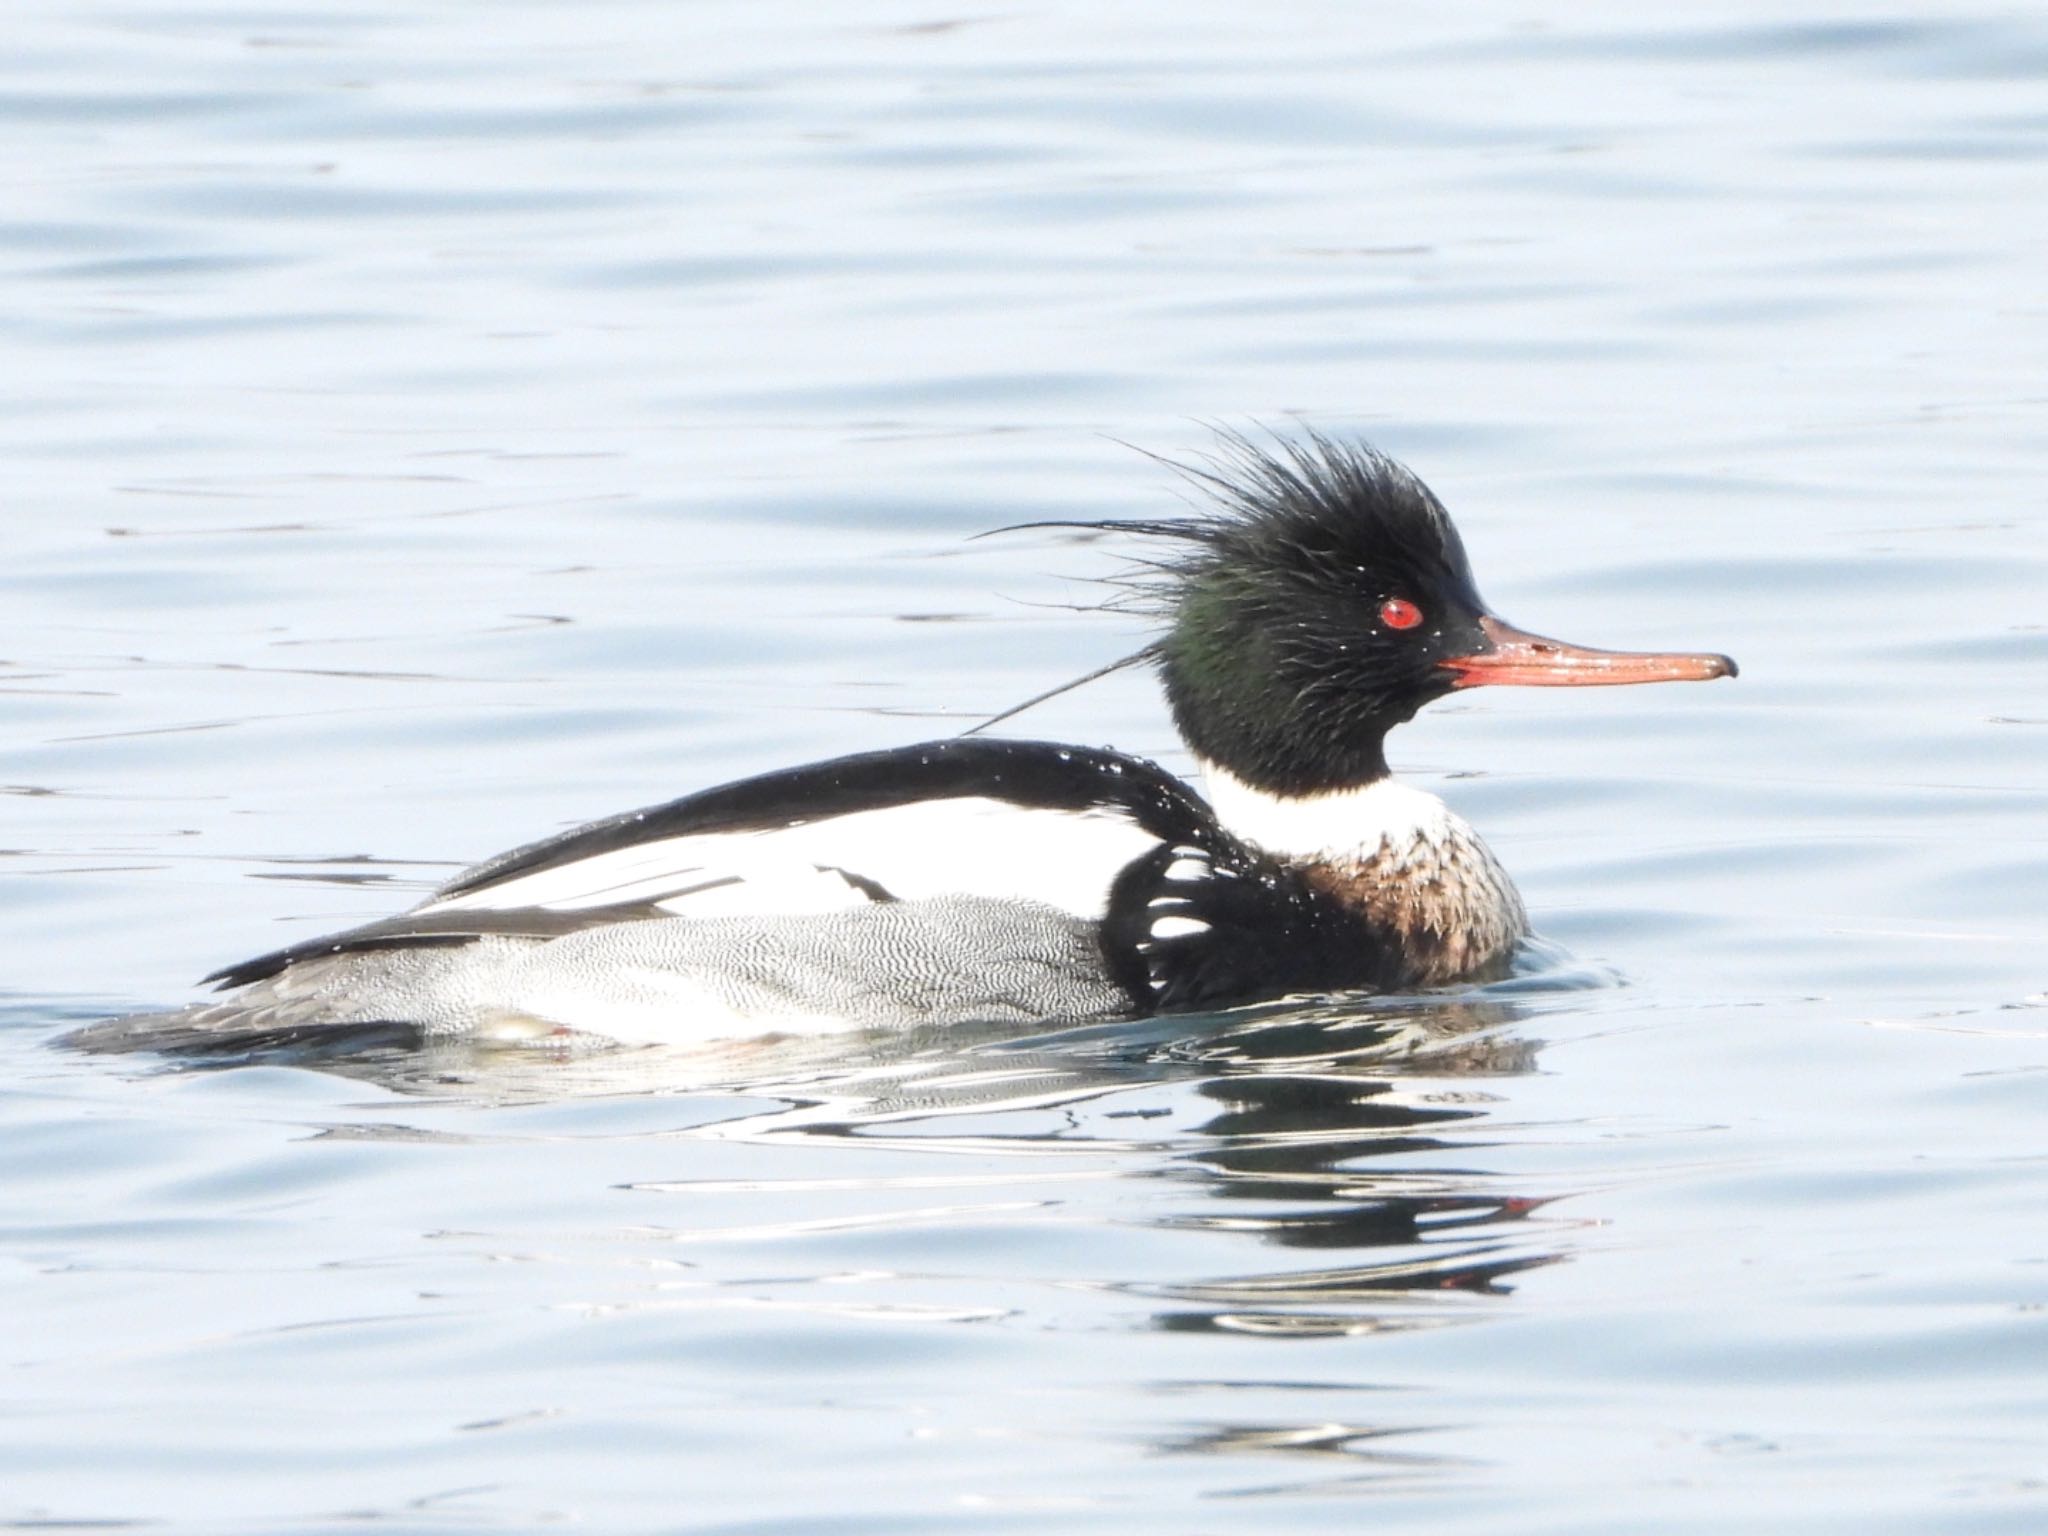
x=1515, y=656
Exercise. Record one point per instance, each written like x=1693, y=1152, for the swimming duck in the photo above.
x=1319, y=600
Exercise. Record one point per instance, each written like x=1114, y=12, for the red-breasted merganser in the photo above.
x=1321, y=599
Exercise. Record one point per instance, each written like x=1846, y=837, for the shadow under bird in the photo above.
x=1319, y=600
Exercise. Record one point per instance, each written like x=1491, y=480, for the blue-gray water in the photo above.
x=427, y=425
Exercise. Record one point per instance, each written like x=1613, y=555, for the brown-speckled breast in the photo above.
x=1446, y=898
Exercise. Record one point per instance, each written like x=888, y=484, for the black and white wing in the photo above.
x=1030, y=821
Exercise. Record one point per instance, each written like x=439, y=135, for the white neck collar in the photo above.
x=1337, y=824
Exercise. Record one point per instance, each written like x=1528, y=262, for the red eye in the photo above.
x=1399, y=613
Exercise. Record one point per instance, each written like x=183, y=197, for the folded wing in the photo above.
x=1029, y=821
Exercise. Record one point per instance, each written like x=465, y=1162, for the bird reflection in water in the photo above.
x=1345, y=1128
x=1350, y=1152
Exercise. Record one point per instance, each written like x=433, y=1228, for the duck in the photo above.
x=1316, y=597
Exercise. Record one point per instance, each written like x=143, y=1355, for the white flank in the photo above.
x=963, y=846
x=668, y=1010
x=1342, y=824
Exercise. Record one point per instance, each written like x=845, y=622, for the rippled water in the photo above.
x=429, y=426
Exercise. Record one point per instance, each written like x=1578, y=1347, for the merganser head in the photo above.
x=1323, y=600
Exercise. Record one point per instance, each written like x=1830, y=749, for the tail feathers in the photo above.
x=243, y=1032
x=324, y=1005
